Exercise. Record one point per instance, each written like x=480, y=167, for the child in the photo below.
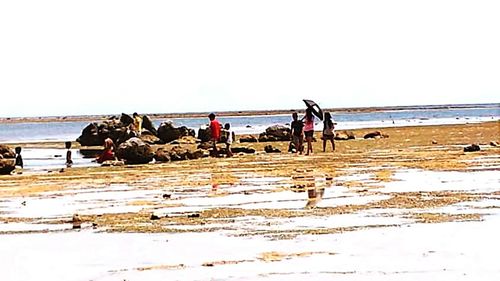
x=137, y=124
x=309, y=129
x=214, y=132
x=297, y=133
x=328, y=133
x=108, y=152
x=19, y=158
x=69, y=161
x=229, y=139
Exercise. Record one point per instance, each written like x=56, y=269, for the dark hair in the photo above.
x=227, y=126
x=295, y=114
x=68, y=144
x=211, y=116
x=135, y=114
x=18, y=149
x=309, y=114
x=328, y=119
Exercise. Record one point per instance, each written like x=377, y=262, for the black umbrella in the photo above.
x=316, y=110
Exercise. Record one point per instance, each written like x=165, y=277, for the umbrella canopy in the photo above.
x=316, y=110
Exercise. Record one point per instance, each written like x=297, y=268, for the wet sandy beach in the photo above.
x=412, y=206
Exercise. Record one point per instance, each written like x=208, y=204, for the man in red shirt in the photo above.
x=215, y=129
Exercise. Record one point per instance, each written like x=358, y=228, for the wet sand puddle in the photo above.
x=267, y=223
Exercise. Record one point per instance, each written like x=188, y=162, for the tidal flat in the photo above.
x=412, y=206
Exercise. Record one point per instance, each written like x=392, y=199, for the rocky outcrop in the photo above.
x=126, y=119
x=7, y=152
x=134, y=151
x=149, y=137
x=275, y=133
x=344, y=135
x=95, y=133
x=178, y=153
x=7, y=160
x=167, y=132
x=248, y=138
x=148, y=125
x=204, y=133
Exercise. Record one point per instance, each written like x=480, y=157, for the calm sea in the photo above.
x=64, y=131
x=53, y=159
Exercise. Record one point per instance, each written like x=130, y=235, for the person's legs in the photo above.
x=229, y=153
x=333, y=143
x=324, y=143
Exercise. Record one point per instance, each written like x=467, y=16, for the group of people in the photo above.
x=216, y=135
x=305, y=128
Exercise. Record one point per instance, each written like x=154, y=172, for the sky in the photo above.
x=105, y=57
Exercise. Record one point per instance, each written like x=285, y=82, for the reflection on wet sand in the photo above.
x=314, y=184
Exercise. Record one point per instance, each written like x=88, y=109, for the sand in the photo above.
x=289, y=210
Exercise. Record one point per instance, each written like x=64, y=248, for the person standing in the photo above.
x=328, y=133
x=215, y=129
x=69, y=161
x=229, y=139
x=137, y=123
x=19, y=158
x=309, y=129
x=297, y=127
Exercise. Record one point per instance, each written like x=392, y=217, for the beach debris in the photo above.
x=434, y=142
x=271, y=149
x=494, y=143
x=195, y=215
x=248, y=138
x=154, y=217
x=344, y=135
x=375, y=135
x=135, y=151
x=472, y=148
x=275, y=133
x=167, y=132
x=76, y=221
x=167, y=196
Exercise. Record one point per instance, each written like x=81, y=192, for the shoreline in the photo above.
x=155, y=116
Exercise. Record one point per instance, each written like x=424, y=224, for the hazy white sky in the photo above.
x=90, y=57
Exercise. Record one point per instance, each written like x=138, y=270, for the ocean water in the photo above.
x=66, y=131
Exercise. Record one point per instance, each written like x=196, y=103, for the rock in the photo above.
x=154, y=217
x=275, y=133
x=148, y=125
x=434, y=142
x=7, y=166
x=167, y=132
x=196, y=154
x=248, y=150
x=126, y=119
x=248, y=138
x=375, y=135
x=205, y=145
x=186, y=140
x=472, y=148
x=344, y=135
x=270, y=149
x=135, y=151
x=204, y=133
x=161, y=155
x=149, y=137
x=7, y=152
x=494, y=143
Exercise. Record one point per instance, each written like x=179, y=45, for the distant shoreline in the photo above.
x=155, y=116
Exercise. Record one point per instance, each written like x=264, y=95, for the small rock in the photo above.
x=434, y=142
x=472, y=148
x=154, y=217
x=494, y=143
x=271, y=149
x=167, y=196
x=194, y=215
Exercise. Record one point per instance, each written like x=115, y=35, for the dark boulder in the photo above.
x=472, y=148
x=276, y=133
x=247, y=150
x=270, y=149
x=344, y=135
x=7, y=152
x=126, y=119
x=167, y=132
x=7, y=166
x=135, y=151
x=248, y=138
x=161, y=155
x=204, y=133
x=148, y=125
x=375, y=135
x=149, y=137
